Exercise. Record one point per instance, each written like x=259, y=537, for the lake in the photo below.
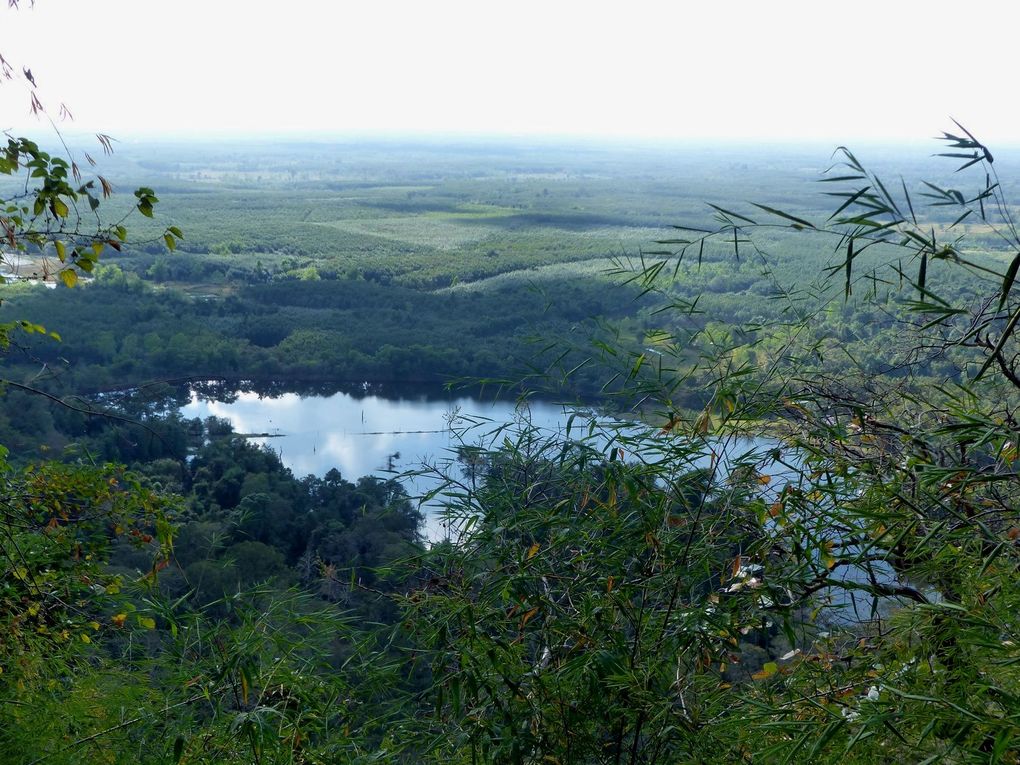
x=370, y=434
x=382, y=435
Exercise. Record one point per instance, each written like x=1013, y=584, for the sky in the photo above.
x=715, y=70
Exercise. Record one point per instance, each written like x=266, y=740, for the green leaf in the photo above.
x=171, y=243
x=910, y=205
x=59, y=208
x=1006, y=333
x=961, y=218
x=849, y=267
x=841, y=178
x=730, y=214
x=1008, y=279
x=637, y=366
x=851, y=198
x=61, y=250
x=787, y=216
x=888, y=197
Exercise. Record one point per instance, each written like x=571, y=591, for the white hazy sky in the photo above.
x=889, y=69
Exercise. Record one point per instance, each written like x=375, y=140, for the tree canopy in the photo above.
x=810, y=566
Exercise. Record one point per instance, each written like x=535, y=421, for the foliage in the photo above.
x=47, y=218
x=842, y=587
x=845, y=594
x=97, y=663
x=51, y=226
x=59, y=601
x=578, y=616
x=120, y=597
x=528, y=239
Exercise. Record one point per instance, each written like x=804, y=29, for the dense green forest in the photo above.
x=429, y=263
x=173, y=593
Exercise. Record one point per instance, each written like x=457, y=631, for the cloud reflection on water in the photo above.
x=359, y=436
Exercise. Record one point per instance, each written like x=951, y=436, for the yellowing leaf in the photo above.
x=85, y=638
x=61, y=250
x=118, y=620
x=148, y=622
x=735, y=566
x=703, y=424
x=69, y=277
x=527, y=616
x=533, y=550
x=59, y=208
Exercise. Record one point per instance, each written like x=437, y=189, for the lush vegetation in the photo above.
x=171, y=593
x=334, y=262
x=846, y=594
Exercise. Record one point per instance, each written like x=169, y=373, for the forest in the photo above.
x=173, y=593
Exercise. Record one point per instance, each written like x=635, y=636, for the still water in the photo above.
x=364, y=434
x=372, y=434
x=380, y=435
x=369, y=435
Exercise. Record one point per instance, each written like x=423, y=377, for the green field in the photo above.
x=429, y=262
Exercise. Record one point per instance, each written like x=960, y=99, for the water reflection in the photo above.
x=360, y=433
x=358, y=436
x=366, y=435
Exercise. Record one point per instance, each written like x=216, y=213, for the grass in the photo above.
x=428, y=231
